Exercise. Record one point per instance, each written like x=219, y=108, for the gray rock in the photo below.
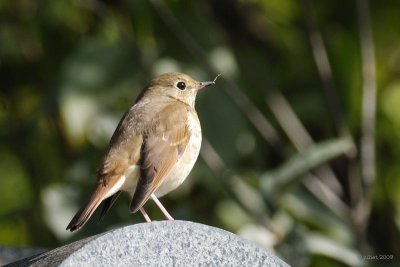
x=53, y=257
x=165, y=243
x=10, y=254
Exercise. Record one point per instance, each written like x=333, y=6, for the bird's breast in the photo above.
x=186, y=162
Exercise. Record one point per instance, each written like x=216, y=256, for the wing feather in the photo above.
x=163, y=145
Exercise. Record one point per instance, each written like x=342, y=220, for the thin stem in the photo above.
x=299, y=136
x=324, y=69
x=368, y=115
x=249, y=199
x=368, y=120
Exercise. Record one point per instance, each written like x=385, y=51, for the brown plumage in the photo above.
x=153, y=148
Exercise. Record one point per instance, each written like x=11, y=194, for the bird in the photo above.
x=152, y=150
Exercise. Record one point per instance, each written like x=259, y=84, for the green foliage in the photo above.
x=274, y=182
x=289, y=176
x=16, y=180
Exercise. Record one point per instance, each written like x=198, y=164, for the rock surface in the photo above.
x=165, y=243
x=10, y=254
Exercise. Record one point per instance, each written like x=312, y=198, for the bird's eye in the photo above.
x=181, y=85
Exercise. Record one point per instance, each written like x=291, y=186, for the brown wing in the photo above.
x=123, y=151
x=163, y=145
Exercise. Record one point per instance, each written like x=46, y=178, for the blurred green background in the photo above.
x=290, y=129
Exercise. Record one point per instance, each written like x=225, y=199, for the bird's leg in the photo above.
x=145, y=215
x=164, y=211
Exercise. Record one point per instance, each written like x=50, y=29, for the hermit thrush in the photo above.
x=153, y=149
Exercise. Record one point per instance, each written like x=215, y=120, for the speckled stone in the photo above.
x=167, y=243
x=11, y=254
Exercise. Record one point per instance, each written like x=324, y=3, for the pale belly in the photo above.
x=182, y=168
x=186, y=162
x=177, y=174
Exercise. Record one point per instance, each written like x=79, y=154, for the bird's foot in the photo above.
x=145, y=215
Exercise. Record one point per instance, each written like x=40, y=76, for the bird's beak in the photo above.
x=206, y=84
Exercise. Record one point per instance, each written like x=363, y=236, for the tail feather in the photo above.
x=86, y=211
x=107, y=204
